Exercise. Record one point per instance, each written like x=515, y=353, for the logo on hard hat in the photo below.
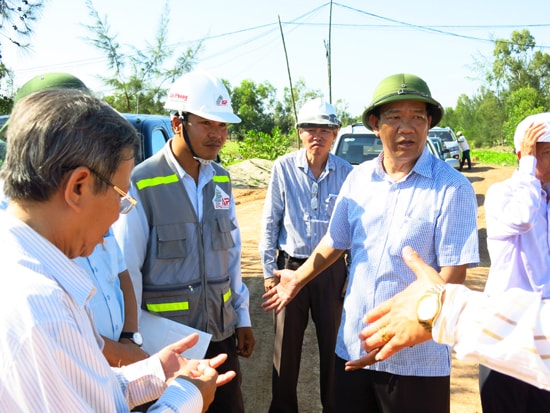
x=221, y=101
x=176, y=95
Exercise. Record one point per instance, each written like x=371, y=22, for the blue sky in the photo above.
x=437, y=40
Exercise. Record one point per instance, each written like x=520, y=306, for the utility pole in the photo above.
x=289, y=78
x=329, y=55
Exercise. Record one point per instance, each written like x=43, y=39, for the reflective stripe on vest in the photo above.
x=158, y=180
x=178, y=306
x=220, y=178
x=165, y=307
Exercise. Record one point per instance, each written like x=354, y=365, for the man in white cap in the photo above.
x=182, y=244
x=298, y=205
x=518, y=243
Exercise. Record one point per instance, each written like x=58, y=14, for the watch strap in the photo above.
x=437, y=290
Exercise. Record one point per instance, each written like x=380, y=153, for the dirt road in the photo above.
x=257, y=369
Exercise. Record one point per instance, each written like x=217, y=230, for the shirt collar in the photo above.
x=301, y=162
x=423, y=165
x=203, y=169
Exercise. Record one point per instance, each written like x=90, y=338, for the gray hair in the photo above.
x=55, y=131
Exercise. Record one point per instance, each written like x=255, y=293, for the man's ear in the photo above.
x=176, y=124
x=78, y=185
x=374, y=122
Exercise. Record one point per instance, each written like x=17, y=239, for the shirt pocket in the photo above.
x=329, y=202
x=171, y=241
x=413, y=232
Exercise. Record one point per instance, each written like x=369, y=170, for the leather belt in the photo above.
x=291, y=263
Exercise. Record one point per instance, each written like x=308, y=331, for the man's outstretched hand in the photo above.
x=393, y=325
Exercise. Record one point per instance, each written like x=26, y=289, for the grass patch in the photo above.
x=494, y=157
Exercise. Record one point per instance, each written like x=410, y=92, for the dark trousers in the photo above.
x=501, y=393
x=368, y=391
x=228, y=398
x=323, y=297
x=466, y=157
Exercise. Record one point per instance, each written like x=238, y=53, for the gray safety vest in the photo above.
x=185, y=272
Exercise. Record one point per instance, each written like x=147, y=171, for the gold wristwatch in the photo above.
x=429, y=306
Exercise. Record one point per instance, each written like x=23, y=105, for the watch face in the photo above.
x=138, y=339
x=427, y=307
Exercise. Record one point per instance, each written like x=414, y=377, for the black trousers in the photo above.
x=505, y=394
x=368, y=391
x=466, y=158
x=228, y=398
x=323, y=298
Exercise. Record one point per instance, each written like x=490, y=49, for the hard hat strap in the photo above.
x=183, y=120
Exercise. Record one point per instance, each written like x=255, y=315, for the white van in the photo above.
x=356, y=144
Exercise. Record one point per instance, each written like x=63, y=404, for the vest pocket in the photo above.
x=172, y=241
x=221, y=233
x=223, y=317
x=180, y=304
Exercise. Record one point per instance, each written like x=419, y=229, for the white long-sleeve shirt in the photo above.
x=517, y=232
x=50, y=352
x=507, y=332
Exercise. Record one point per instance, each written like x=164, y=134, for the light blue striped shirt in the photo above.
x=434, y=210
x=298, y=207
x=103, y=267
x=50, y=353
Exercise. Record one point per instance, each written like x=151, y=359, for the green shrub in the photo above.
x=230, y=153
x=263, y=145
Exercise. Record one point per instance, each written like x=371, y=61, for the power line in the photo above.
x=269, y=29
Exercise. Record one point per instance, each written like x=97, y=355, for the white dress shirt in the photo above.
x=508, y=332
x=50, y=356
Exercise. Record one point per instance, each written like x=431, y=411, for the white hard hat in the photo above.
x=202, y=94
x=528, y=121
x=318, y=112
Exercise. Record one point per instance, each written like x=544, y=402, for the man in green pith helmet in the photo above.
x=406, y=196
x=52, y=80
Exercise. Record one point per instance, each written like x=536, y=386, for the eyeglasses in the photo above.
x=314, y=198
x=126, y=201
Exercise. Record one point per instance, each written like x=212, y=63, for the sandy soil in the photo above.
x=257, y=370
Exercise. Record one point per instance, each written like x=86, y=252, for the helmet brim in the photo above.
x=225, y=117
x=304, y=125
x=218, y=116
x=436, y=108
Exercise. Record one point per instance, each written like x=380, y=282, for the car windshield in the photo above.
x=444, y=135
x=360, y=147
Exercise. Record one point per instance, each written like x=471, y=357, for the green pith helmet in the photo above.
x=403, y=86
x=47, y=81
